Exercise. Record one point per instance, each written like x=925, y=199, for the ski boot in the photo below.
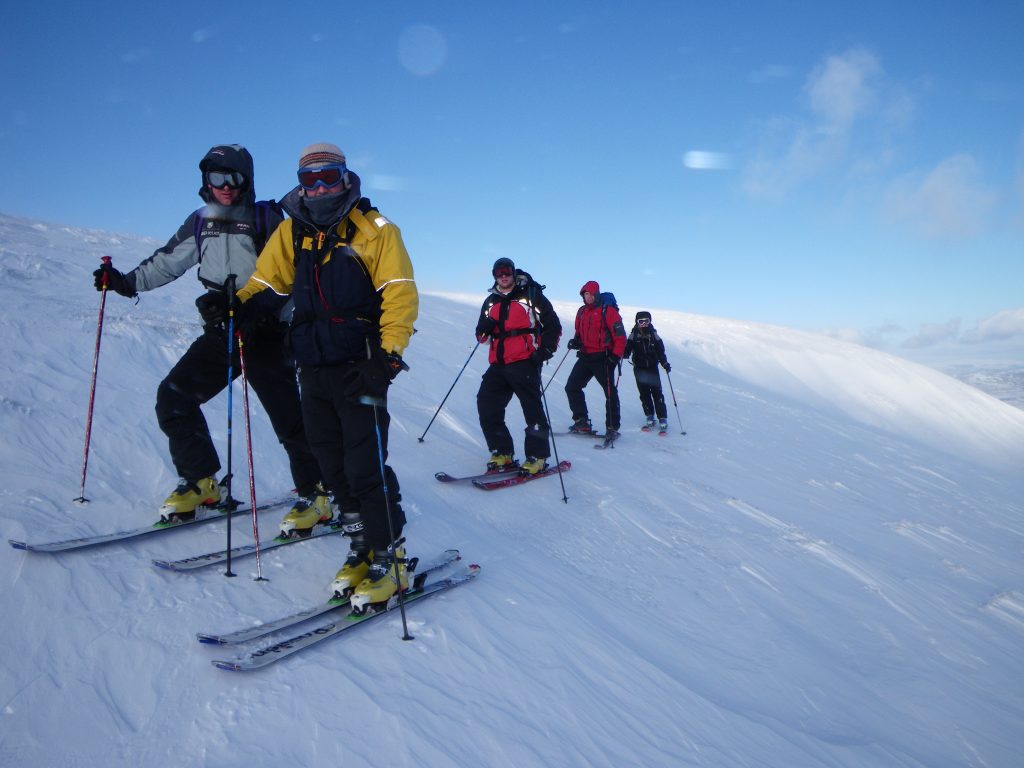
x=181, y=505
x=649, y=424
x=501, y=462
x=662, y=426
x=359, y=557
x=582, y=427
x=309, y=510
x=381, y=582
x=532, y=466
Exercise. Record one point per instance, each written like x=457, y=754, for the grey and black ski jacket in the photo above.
x=221, y=240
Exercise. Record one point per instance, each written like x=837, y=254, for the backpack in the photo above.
x=261, y=220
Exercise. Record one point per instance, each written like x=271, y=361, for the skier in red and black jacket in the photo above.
x=523, y=330
x=600, y=340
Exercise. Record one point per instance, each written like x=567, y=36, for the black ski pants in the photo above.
x=202, y=373
x=343, y=435
x=601, y=367
x=499, y=384
x=648, y=384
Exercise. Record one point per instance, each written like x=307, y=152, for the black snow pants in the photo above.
x=342, y=434
x=594, y=366
x=202, y=373
x=499, y=384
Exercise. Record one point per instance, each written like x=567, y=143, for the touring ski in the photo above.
x=275, y=625
x=203, y=515
x=517, y=479
x=213, y=558
x=609, y=440
x=266, y=656
x=444, y=477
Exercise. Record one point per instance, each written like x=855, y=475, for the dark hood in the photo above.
x=231, y=157
x=294, y=203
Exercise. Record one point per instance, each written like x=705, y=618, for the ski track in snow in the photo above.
x=825, y=570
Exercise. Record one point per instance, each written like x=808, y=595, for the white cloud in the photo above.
x=933, y=333
x=839, y=90
x=703, y=160
x=422, y=50
x=1007, y=324
x=948, y=201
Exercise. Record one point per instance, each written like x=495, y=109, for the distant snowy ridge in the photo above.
x=873, y=387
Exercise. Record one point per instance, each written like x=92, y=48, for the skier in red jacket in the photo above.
x=600, y=340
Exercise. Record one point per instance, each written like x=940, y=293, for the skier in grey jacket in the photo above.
x=224, y=238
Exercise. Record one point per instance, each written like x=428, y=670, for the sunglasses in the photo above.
x=229, y=179
x=503, y=272
x=328, y=176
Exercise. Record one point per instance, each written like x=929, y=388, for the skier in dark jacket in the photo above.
x=523, y=329
x=647, y=351
x=224, y=238
x=347, y=269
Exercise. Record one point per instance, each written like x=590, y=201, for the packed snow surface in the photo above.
x=827, y=569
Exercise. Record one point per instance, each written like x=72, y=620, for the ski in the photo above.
x=275, y=625
x=213, y=558
x=274, y=653
x=608, y=442
x=203, y=515
x=444, y=477
x=517, y=479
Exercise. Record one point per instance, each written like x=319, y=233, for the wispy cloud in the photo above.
x=933, y=333
x=948, y=201
x=841, y=91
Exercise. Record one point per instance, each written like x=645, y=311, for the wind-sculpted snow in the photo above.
x=825, y=570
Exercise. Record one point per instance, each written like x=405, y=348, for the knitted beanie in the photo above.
x=643, y=315
x=321, y=155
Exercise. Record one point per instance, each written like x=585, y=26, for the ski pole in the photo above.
x=449, y=391
x=670, y=389
x=230, y=287
x=92, y=389
x=248, y=446
x=554, y=446
x=545, y=389
x=377, y=403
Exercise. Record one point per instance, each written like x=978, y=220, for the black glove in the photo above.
x=116, y=281
x=485, y=327
x=612, y=358
x=540, y=356
x=574, y=343
x=371, y=377
x=667, y=367
x=259, y=311
x=213, y=308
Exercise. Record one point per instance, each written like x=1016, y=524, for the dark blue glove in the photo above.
x=574, y=343
x=371, y=377
x=117, y=282
x=213, y=308
x=540, y=356
x=667, y=367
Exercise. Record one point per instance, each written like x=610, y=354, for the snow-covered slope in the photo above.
x=825, y=570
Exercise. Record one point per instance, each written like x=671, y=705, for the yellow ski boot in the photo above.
x=181, y=505
x=532, y=466
x=307, y=512
x=381, y=582
x=500, y=462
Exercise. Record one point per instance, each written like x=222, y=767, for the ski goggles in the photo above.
x=229, y=179
x=643, y=322
x=328, y=176
x=503, y=272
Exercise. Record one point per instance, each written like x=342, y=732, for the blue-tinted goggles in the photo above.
x=328, y=176
x=230, y=179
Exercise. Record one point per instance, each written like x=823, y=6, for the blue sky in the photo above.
x=856, y=168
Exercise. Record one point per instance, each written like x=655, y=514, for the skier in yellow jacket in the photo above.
x=351, y=279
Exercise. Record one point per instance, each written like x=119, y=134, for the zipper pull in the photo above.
x=320, y=237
